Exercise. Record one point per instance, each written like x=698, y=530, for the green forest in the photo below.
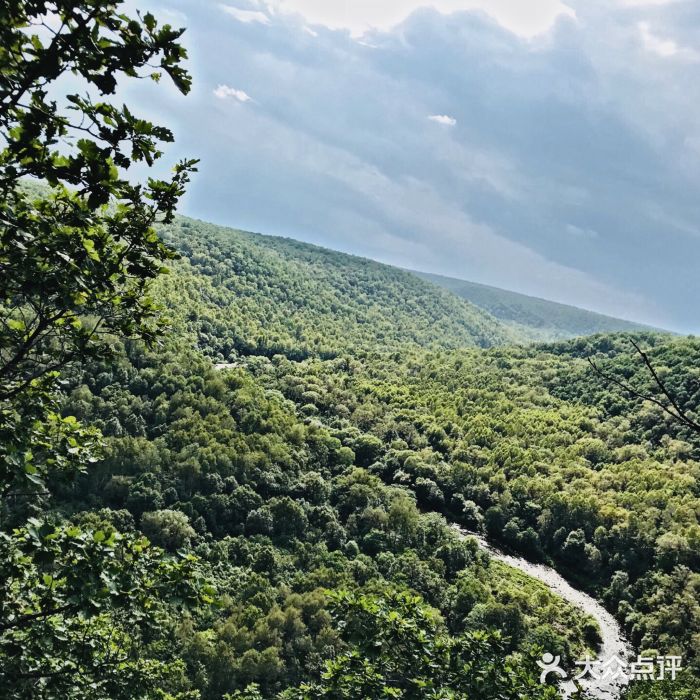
x=230, y=463
x=530, y=317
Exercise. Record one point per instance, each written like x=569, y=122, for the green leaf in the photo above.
x=15, y=324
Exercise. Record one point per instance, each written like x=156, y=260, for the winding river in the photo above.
x=613, y=642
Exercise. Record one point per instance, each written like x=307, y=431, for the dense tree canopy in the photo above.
x=313, y=472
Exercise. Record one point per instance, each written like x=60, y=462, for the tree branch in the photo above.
x=674, y=410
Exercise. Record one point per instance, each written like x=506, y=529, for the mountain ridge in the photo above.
x=260, y=294
x=541, y=319
x=283, y=290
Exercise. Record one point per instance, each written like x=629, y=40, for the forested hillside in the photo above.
x=537, y=450
x=301, y=535
x=264, y=295
x=312, y=477
x=530, y=317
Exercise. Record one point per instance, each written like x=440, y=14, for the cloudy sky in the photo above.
x=551, y=148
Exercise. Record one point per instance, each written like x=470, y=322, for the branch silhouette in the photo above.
x=670, y=407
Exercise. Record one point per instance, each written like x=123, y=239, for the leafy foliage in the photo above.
x=81, y=607
x=76, y=607
x=397, y=648
x=76, y=263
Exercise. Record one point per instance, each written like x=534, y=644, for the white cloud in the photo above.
x=224, y=92
x=443, y=119
x=653, y=43
x=666, y=48
x=246, y=16
x=524, y=18
x=583, y=233
x=172, y=16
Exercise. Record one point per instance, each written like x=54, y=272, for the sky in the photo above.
x=551, y=148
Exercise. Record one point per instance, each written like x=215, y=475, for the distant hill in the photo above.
x=253, y=294
x=537, y=319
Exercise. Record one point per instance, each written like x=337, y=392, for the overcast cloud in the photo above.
x=553, y=150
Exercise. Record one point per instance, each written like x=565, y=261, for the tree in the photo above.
x=76, y=607
x=78, y=252
x=685, y=687
x=169, y=529
x=77, y=256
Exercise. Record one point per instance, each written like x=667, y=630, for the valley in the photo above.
x=339, y=434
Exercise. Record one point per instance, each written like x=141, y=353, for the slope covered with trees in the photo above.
x=312, y=480
x=309, y=469
x=531, y=317
x=316, y=558
x=259, y=294
x=532, y=447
